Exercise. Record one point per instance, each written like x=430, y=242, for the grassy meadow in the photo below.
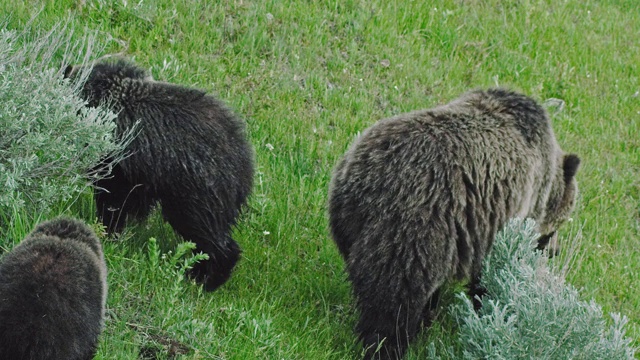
x=308, y=76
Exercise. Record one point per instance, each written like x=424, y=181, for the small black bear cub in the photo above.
x=191, y=154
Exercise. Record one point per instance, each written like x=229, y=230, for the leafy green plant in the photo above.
x=173, y=265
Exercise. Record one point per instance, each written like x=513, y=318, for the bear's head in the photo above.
x=561, y=201
x=104, y=77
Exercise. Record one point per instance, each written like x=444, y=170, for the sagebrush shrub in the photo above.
x=51, y=145
x=530, y=312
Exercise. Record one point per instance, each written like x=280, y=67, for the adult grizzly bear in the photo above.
x=418, y=199
x=191, y=154
x=53, y=289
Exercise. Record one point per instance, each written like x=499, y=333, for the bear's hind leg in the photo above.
x=210, y=231
x=215, y=271
x=386, y=334
x=392, y=308
x=476, y=291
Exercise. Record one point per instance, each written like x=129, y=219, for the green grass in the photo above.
x=309, y=75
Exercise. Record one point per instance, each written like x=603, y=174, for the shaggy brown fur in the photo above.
x=53, y=289
x=418, y=199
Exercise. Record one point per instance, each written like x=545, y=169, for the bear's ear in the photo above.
x=67, y=71
x=570, y=165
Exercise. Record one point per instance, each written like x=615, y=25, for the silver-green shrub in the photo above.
x=530, y=312
x=51, y=145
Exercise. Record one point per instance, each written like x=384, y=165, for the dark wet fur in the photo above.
x=191, y=155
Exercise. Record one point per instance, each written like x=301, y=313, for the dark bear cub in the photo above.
x=190, y=154
x=418, y=199
x=53, y=291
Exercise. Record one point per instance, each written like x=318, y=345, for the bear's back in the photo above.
x=53, y=295
x=463, y=168
x=446, y=138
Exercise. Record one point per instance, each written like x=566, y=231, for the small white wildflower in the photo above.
x=266, y=232
x=270, y=147
x=269, y=17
